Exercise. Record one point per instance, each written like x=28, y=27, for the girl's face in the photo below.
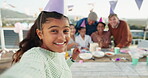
x=100, y=27
x=73, y=30
x=114, y=21
x=82, y=32
x=55, y=34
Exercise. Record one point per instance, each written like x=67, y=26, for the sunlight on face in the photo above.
x=113, y=21
x=55, y=34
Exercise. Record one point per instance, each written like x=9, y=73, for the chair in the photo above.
x=143, y=44
x=136, y=41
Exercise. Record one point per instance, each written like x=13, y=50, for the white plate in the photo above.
x=109, y=53
x=98, y=53
x=85, y=55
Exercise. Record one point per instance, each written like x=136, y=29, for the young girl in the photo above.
x=40, y=54
x=82, y=39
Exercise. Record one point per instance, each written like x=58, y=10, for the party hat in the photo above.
x=139, y=3
x=111, y=11
x=83, y=23
x=101, y=20
x=55, y=5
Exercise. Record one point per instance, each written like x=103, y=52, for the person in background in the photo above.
x=90, y=23
x=103, y=38
x=72, y=43
x=41, y=52
x=120, y=31
x=82, y=39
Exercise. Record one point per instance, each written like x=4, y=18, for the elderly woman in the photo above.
x=103, y=38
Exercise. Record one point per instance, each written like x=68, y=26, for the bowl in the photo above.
x=85, y=56
x=84, y=51
x=109, y=53
x=98, y=54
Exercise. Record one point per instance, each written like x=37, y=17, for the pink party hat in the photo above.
x=101, y=20
x=55, y=5
x=83, y=23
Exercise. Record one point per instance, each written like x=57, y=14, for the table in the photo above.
x=104, y=67
x=113, y=58
x=109, y=70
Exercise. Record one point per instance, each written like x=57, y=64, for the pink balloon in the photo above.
x=17, y=27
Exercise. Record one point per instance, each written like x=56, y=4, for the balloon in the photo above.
x=17, y=27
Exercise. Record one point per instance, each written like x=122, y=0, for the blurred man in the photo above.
x=120, y=31
x=90, y=23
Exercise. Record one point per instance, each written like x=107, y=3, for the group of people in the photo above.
x=93, y=31
x=40, y=54
x=82, y=40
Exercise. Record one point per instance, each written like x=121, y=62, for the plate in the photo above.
x=85, y=56
x=98, y=53
x=109, y=53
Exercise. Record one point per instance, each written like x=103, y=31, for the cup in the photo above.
x=135, y=61
x=116, y=50
x=93, y=46
x=98, y=48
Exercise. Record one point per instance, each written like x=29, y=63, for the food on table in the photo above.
x=109, y=53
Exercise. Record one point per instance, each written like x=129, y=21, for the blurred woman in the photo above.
x=72, y=43
x=103, y=38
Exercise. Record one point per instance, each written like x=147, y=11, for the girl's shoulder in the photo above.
x=34, y=50
x=34, y=53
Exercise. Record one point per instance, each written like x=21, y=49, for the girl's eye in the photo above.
x=54, y=31
x=66, y=31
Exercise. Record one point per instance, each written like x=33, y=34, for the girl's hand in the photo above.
x=75, y=54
